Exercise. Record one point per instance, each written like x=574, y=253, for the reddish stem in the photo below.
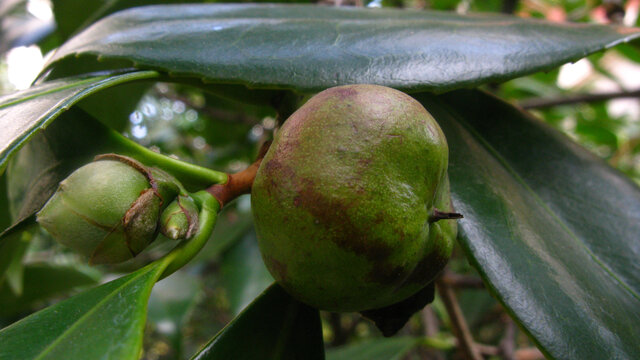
x=239, y=183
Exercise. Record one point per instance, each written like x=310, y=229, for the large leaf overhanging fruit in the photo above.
x=310, y=48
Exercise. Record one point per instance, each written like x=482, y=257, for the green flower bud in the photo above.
x=180, y=219
x=108, y=210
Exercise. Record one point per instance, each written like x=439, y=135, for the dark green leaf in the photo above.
x=310, y=48
x=390, y=319
x=243, y=273
x=33, y=175
x=12, y=249
x=41, y=282
x=552, y=229
x=24, y=113
x=73, y=15
x=106, y=322
x=379, y=349
x=113, y=106
x=273, y=327
x=5, y=217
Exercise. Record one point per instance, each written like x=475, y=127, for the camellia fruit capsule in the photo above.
x=351, y=202
x=108, y=210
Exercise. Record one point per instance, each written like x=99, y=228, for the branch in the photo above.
x=431, y=329
x=508, y=343
x=538, y=103
x=461, y=281
x=625, y=149
x=530, y=353
x=239, y=183
x=458, y=322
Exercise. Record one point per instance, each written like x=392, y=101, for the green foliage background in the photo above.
x=213, y=129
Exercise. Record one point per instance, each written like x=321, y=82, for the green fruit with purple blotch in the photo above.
x=351, y=202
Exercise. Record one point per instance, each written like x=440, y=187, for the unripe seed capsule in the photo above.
x=108, y=210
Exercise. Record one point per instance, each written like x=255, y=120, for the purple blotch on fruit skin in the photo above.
x=343, y=199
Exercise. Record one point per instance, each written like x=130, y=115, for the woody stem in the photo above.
x=238, y=183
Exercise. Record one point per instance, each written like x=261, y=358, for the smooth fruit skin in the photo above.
x=343, y=198
x=107, y=209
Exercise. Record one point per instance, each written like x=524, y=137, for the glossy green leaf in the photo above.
x=34, y=173
x=551, y=228
x=41, y=282
x=24, y=113
x=243, y=273
x=106, y=322
x=51, y=155
x=73, y=15
x=273, y=327
x=394, y=348
x=5, y=217
x=310, y=48
x=12, y=249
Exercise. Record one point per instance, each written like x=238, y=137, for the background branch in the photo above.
x=539, y=103
x=458, y=322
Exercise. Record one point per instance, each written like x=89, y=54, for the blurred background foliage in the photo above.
x=595, y=101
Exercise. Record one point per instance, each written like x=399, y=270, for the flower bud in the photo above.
x=180, y=219
x=108, y=210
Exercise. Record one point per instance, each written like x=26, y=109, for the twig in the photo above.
x=626, y=148
x=538, y=103
x=529, y=354
x=431, y=329
x=238, y=183
x=508, y=343
x=458, y=322
x=488, y=350
x=462, y=281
